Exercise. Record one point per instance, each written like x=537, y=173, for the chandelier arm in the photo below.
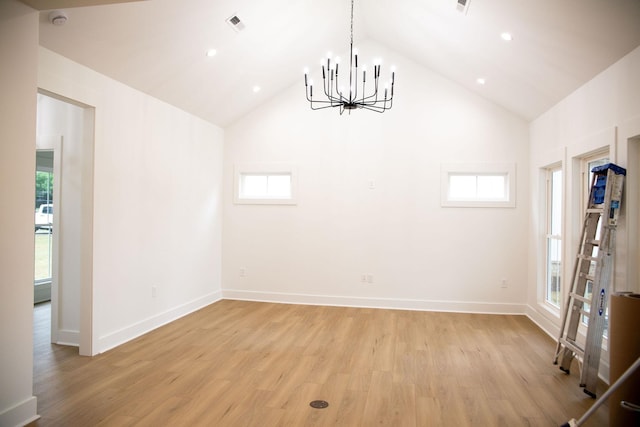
x=313, y=107
x=338, y=92
x=376, y=108
x=374, y=95
x=326, y=84
x=330, y=99
x=368, y=99
x=355, y=86
x=332, y=80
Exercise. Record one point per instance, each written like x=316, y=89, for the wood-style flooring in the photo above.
x=237, y=363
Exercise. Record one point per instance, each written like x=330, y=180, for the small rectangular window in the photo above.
x=478, y=185
x=265, y=184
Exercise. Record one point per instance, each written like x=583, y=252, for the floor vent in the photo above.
x=319, y=404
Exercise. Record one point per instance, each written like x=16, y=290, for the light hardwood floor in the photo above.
x=238, y=363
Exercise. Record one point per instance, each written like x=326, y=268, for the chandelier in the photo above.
x=335, y=96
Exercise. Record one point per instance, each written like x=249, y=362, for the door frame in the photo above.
x=54, y=143
x=87, y=335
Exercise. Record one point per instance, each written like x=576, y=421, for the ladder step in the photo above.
x=594, y=242
x=587, y=276
x=595, y=210
x=580, y=297
x=588, y=258
x=572, y=346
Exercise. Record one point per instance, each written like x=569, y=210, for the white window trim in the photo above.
x=548, y=171
x=507, y=169
x=265, y=169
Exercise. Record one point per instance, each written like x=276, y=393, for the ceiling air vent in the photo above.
x=235, y=23
x=463, y=6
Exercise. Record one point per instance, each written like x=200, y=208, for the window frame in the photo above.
x=265, y=169
x=550, y=236
x=508, y=170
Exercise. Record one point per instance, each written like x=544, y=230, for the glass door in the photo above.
x=43, y=226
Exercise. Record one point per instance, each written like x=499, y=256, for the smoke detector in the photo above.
x=463, y=6
x=58, y=17
x=235, y=23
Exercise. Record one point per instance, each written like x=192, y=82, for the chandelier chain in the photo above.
x=352, y=22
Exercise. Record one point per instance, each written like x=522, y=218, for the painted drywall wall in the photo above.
x=420, y=255
x=18, y=50
x=156, y=213
x=604, y=113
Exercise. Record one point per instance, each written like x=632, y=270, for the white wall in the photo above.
x=420, y=255
x=604, y=113
x=18, y=50
x=156, y=212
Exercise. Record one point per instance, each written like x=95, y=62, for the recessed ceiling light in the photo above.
x=211, y=52
x=506, y=36
x=256, y=89
x=481, y=81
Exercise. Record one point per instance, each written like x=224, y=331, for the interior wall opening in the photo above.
x=65, y=133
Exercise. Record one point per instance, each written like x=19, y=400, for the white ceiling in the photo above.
x=158, y=46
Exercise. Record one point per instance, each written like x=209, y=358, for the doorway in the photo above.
x=65, y=139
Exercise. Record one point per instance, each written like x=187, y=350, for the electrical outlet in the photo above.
x=503, y=283
x=154, y=292
x=366, y=278
x=243, y=272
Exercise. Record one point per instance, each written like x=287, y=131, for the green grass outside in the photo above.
x=42, y=260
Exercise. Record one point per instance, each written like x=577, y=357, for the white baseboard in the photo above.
x=67, y=337
x=388, y=303
x=547, y=325
x=21, y=414
x=116, y=338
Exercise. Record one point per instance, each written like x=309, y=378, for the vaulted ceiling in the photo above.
x=159, y=46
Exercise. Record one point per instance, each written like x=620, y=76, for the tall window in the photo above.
x=553, y=288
